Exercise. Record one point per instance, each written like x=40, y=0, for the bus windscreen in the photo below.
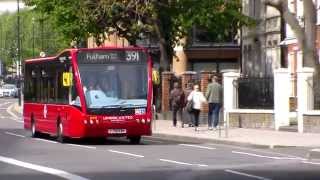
x=113, y=79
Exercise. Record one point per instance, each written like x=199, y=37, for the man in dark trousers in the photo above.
x=214, y=98
x=177, y=102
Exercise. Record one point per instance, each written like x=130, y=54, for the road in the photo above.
x=23, y=157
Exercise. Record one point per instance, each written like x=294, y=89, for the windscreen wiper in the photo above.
x=132, y=106
x=112, y=106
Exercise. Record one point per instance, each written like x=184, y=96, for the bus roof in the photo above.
x=81, y=49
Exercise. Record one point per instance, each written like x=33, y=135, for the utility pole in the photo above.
x=18, y=53
x=33, y=19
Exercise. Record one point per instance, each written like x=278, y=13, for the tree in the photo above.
x=64, y=15
x=167, y=20
x=35, y=36
x=306, y=33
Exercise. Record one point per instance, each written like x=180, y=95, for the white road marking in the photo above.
x=76, y=145
x=176, y=162
x=11, y=113
x=183, y=163
x=5, y=103
x=255, y=150
x=44, y=140
x=43, y=169
x=245, y=174
x=308, y=162
x=315, y=150
x=13, y=134
x=125, y=153
x=6, y=117
x=19, y=121
x=269, y=157
x=202, y=165
x=197, y=146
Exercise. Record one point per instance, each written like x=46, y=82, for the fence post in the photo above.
x=230, y=96
x=304, y=93
x=282, y=92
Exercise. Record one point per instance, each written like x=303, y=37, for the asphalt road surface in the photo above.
x=23, y=157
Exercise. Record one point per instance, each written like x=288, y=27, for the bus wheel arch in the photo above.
x=34, y=132
x=135, y=139
x=60, y=131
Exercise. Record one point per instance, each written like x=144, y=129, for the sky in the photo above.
x=9, y=5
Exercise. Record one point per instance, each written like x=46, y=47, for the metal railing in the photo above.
x=316, y=92
x=255, y=93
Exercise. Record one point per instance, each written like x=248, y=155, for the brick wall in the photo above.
x=311, y=124
x=187, y=77
x=166, y=78
x=252, y=120
x=205, y=75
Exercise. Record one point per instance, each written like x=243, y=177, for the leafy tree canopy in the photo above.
x=36, y=35
x=167, y=20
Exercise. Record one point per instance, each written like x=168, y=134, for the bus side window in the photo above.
x=74, y=97
x=30, y=83
x=62, y=91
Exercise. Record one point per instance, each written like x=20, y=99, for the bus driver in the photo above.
x=106, y=87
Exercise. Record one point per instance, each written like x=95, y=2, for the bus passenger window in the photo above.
x=75, y=99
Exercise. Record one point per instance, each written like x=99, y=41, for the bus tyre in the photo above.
x=135, y=139
x=60, y=137
x=34, y=132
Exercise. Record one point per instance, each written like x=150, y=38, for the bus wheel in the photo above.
x=135, y=139
x=60, y=137
x=34, y=132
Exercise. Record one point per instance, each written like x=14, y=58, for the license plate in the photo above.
x=117, y=131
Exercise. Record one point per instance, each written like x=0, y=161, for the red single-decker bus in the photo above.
x=100, y=92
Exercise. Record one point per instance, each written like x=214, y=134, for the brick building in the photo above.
x=294, y=55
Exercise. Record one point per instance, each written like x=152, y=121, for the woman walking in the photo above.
x=197, y=98
x=187, y=116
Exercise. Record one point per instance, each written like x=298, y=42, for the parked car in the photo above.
x=9, y=90
x=1, y=92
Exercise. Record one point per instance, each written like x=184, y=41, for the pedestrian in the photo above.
x=187, y=116
x=214, y=98
x=197, y=97
x=177, y=102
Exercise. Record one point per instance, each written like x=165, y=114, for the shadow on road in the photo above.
x=146, y=140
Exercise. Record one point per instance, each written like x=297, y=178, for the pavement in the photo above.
x=237, y=136
x=234, y=136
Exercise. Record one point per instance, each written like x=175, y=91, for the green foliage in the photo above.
x=167, y=20
x=36, y=34
x=220, y=18
x=64, y=15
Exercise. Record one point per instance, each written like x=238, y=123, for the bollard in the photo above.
x=219, y=131
x=227, y=125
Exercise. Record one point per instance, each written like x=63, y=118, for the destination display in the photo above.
x=102, y=57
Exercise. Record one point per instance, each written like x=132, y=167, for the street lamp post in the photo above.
x=18, y=53
x=33, y=19
x=42, y=33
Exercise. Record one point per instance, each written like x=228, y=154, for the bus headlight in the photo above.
x=143, y=121
x=148, y=120
x=91, y=122
x=85, y=121
x=97, y=121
